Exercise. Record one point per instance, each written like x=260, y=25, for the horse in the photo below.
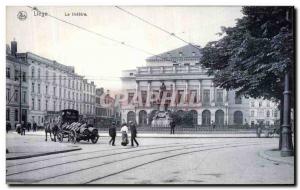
x=51, y=128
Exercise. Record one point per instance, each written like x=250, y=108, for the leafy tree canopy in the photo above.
x=253, y=56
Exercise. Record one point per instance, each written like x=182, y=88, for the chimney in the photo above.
x=14, y=48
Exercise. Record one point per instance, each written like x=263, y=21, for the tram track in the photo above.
x=70, y=154
x=184, y=147
x=107, y=155
x=163, y=158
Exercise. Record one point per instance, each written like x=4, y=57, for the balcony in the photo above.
x=187, y=69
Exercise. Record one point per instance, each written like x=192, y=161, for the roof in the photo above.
x=186, y=51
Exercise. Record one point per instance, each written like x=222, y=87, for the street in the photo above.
x=156, y=161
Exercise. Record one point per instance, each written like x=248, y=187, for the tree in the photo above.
x=253, y=56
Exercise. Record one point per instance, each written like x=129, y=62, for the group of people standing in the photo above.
x=22, y=127
x=124, y=131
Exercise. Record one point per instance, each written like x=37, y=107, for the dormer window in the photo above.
x=194, y=54
x=169, y=55
x=130, y=74
x=180, y=54
x=186, y=64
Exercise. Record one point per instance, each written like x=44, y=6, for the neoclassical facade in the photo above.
x=184, y=79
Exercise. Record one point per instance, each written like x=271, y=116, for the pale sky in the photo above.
x=101, y=60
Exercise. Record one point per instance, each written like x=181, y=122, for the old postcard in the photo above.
x=167, y=95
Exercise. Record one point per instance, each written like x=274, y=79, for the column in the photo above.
x=186, y=90
x=173, y=101
x=136, y=101
x=148, y=94
x=213, y=95
x=199, y=91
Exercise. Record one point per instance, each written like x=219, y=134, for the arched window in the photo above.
x=142, y=117
x=238, y=117
x=206, y=117
x=194, y=114
x=219, y=118
x=130, y=116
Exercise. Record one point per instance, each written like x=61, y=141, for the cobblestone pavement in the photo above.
x=157, y=161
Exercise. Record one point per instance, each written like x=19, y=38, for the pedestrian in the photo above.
x=258, y=130
x=213, y=124
x=8, y=127
x=19, y=128
x=133, y=133
x=124, y=131
x=23, y=128
x=112, y=133
x=172, y=125
x=34, y=126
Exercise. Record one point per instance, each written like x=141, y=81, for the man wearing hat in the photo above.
x=112, y=133
x=133, y=133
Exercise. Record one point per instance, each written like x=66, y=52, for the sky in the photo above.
x=101, y=60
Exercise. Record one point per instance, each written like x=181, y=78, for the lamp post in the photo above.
x=286, y=132
x=20, y=97
x=287, y=144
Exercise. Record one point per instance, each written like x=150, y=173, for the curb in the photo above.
x=175, y=136
x=263, y=155
x=41, y=154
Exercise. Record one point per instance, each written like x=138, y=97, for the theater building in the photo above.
x=181, y=77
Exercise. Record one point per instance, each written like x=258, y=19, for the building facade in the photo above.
x=179, y=73
x=106, y=109
x=16, y=86
x=50, y=87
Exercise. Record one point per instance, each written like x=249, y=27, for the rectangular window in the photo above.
x=32, y=102
x=7, y=114
x=144, y=97
x=17, y=75
x=24, y=97
x=8, y=94
x=193, y=94
x=46, y=105
x=206, y=97
x=60, y=92
x=252, y=104
x=219, y=96
x=7, y=72
x=32, y=87
x=47, y=90
x=16, y=115
x=24, y=76
x=54, y=105
x=39, y=104
x=16, y=95
x=252, y=113
x=39, y=88
x=54, y=91
x=130, y=96
x=238, y=99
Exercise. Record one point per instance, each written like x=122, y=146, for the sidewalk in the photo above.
x=21, y=147
x=274, y=155
x=167, y=135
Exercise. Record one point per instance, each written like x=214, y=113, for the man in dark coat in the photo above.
x=172, y=125
x=133, y=133
x=112, y=133
x=34, y=126
x=8, y=127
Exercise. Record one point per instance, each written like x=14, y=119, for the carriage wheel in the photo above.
x=94, y=139
x=73, y=137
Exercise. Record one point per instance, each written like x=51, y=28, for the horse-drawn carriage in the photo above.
x=74, y=130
